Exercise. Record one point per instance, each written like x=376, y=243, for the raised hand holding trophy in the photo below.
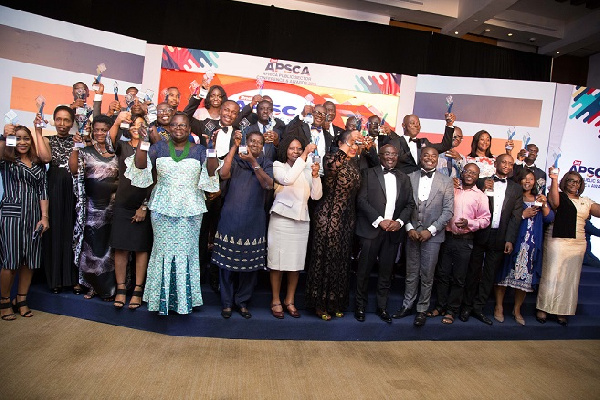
x=526, y=139
x=244, y=124
x=129, y=100
x=40, y=102
x=510, y=133
x=99, y=70
x=556, y=155
x=210, y=127
x=11, y=118
x=381, y=125
x=308, y=118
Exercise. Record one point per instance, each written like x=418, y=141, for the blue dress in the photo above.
x=176, y=205
x=240, y=242
x=523, y=268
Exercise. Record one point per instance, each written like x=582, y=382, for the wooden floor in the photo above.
x=58, y=357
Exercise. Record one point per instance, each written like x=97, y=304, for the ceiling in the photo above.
x=550, y=27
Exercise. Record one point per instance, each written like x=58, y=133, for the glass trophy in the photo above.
x=556, y=155
x=149, y=95
x=260, y=83
x=40, y=102
x=99, y=70
x=210, y=127
x=194, y=88
x=116, y=90
x=380, y=130
x=209, y=75
x=449, y=103
x=11, y=118
x=80, y=94
x=244, y=124
x=526, y=139
x=144, y=138
x=315, y=156
x=152, y=114
x=510, y=133
x=129, y=100
x=308, y=118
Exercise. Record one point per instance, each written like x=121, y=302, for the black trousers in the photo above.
x=485, y=261
x=385, y=250
x=453, y=272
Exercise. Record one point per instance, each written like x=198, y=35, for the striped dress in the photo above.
x=24, y=187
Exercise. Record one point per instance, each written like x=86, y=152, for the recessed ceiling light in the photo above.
x=488, y=30
x=456, y=32
x=510, y=34
x=558, y=52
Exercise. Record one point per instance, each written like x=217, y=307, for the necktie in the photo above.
x=317, y=128
x=264, y=129
x=428, y=173
x=496, y=179
x=412, y=140
x=389, y=171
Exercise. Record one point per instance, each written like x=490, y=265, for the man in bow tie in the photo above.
x=494, y=242
x=410, y=146
x=433, y=194
x=384, y=204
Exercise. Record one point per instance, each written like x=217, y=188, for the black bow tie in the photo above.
x=412, y=140
x=389, y=171
x=496, y=179
x=428, y=173
x=318, y=128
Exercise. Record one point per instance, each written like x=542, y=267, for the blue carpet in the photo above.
x=206, y=321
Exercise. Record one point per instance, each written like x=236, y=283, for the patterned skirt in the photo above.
x=173, y=278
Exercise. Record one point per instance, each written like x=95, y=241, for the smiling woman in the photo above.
x=24, y=217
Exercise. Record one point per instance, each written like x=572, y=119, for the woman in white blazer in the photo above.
x=296, y=179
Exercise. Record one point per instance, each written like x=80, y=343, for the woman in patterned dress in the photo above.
x=327, y=283
x=24, y=217
x=177, y=205
x=481, y=154
x=522, y=270
x=96, y=173
x=58, y=258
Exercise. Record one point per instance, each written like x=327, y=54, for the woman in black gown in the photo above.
x=57, y=242
x=327, y=282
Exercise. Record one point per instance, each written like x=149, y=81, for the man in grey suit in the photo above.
x=384, y=204
x=434, y=198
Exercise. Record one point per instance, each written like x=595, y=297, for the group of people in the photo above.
x=146, y=199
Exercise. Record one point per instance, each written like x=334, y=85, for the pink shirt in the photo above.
x=472, y=205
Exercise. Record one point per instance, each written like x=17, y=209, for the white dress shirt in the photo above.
x=223, y=140
x=423, y=194
x=390, y=199
x=412, y=147
x=499, y=195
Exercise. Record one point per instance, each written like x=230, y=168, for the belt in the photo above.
x=468, y=235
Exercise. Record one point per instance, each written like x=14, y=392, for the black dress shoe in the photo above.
x=420, y=319
x=383, y=314
x=359, y=314
x=464, y=315
x=481, y=316
x=245, y=313
x=401, y=313
x=56, y=290
x=226, y=314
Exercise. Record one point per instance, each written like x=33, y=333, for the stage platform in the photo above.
x=206, y=321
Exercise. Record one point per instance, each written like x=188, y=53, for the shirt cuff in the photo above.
x=432, y=230
x=409, y=227
x=400, y=222
x=98, y=97
x=377, y=221
x=519, y=162
x=301, y=117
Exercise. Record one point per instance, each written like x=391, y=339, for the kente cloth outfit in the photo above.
x=95, y=187
x=20, y=211
x=177, y=205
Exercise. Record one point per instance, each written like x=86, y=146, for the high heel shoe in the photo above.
x=540, y=317
x=136, y=293
x=499, y=315
x=118, y=304
x=4, y=304
x=276, y=314
x=23, y=303
x=324, y=315
x=519, y=319
x=562, y=320
x=291, y=309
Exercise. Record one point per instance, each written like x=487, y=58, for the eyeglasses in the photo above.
x=319, y=114
x=351, y=144
x=467, y=172
x=164, y=111
x=178, y=126
x=576, y=181
x=388, y=154
x=457, y=137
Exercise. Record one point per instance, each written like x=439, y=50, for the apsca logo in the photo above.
x=589, y=172
x=276, y=66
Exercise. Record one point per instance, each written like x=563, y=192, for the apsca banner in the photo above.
x=280, y=71
x=289, y=99
x=581, y=139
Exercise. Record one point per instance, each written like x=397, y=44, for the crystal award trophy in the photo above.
x=308, y=118
x=556, y=155
x=99, y=70
x=510, y=133
x=210, y=127
x=11, y=118
x=129, y=100
x=244, y=124
x=380, y=130
x=315, y=156
x=526, y=139
x=144, y=138
x=40, y=102
x=449, y=103
x=260, y=83
x=194, y=88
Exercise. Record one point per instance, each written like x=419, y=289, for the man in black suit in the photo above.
x=494, y=242
x=330, y=117
x=526, y=159
x=385, y=202
x=410, y=146
x=266, y=125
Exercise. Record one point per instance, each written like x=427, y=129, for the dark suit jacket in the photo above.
x=371, y=202
x=246, y=112
x=510, y=217
x=269, y=149
x=299, y=128
x=406, y=163
x=540, y=176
